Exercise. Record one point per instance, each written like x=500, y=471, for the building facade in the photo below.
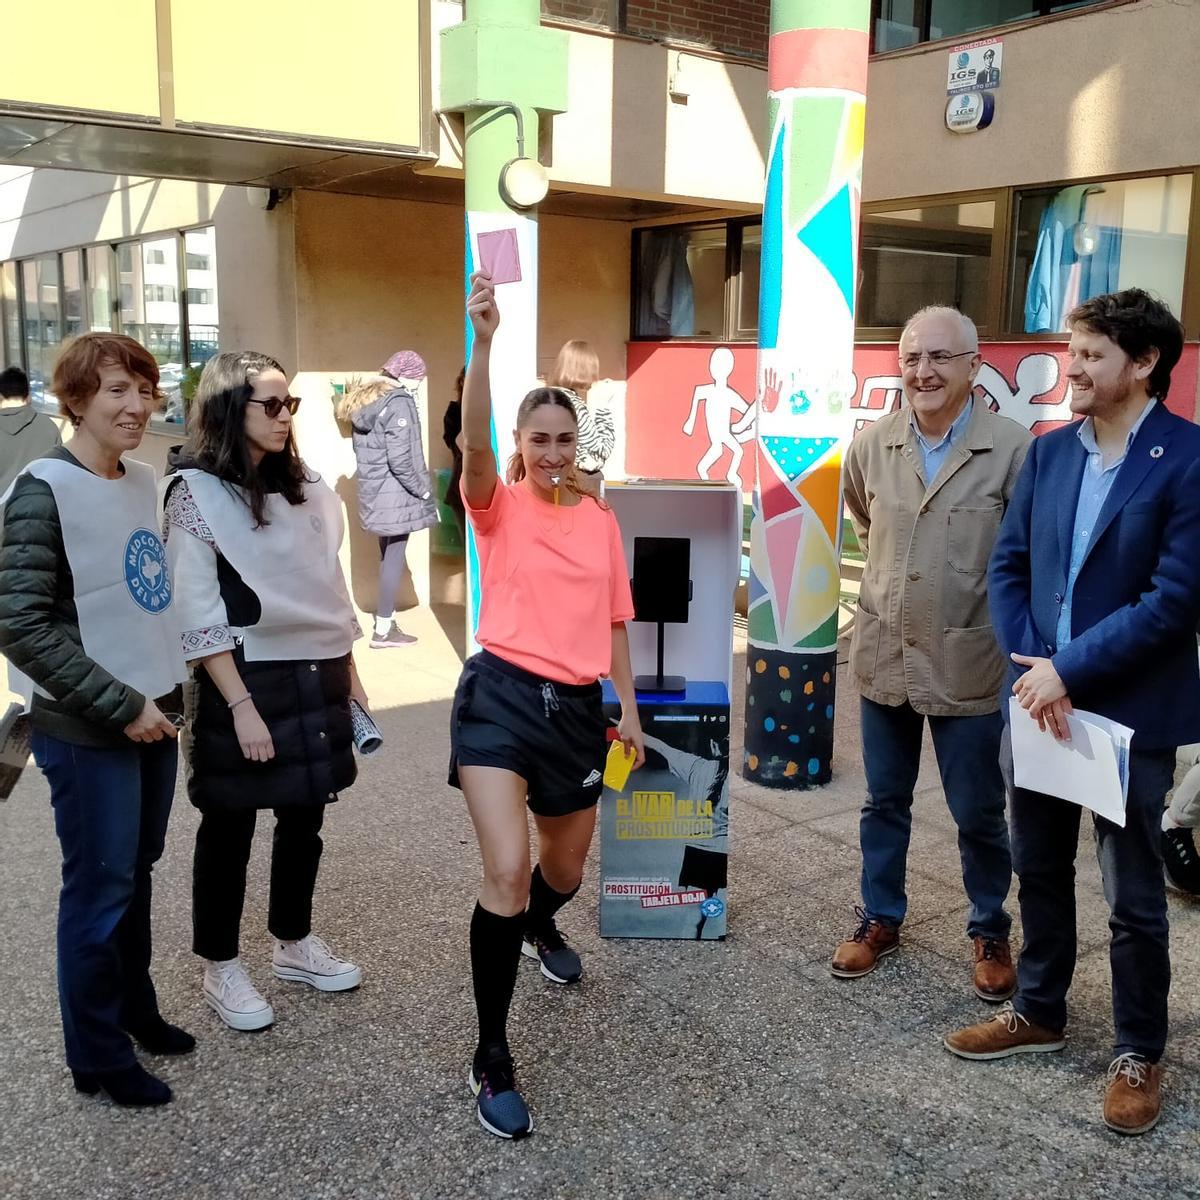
x=310, y=203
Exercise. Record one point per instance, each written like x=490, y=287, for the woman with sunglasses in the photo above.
x=86, y=613
x=253, y=538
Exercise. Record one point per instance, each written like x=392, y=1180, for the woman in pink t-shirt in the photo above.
x=528, y=724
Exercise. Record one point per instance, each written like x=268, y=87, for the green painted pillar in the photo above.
x=817, y=77
x=497, y=61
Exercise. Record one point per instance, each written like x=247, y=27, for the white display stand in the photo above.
x=710, y=515
x=664, y=832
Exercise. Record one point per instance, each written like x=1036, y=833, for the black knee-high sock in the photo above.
x=495, y=954
x=544, y=902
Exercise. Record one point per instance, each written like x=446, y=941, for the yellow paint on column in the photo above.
x=82, y=55
x=348, y=71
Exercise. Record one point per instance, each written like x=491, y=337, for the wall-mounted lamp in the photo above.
x=524, y=182
x=679, y=86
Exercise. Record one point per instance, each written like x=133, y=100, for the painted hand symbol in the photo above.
x=771, y=388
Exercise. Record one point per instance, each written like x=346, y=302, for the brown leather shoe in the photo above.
x=859, y=954
x=1006, y=1033
x=1133, y=1098
x=995, y=977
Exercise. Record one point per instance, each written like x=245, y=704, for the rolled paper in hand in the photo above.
x=367, y=738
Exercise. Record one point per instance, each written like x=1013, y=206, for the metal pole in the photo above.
x=817, y=74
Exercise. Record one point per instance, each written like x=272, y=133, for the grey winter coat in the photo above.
x=25, y=434
x=395, y=494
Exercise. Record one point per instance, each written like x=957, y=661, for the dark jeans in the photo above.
x=111, y=808
x=1045, y=838
x=219, y=876
x=967, y=751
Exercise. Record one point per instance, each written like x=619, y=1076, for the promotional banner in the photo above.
x=664, y=829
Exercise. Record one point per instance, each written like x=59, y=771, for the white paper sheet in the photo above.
x=1091, y=770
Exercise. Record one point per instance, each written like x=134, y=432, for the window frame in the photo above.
x=994, y=305
x=110, y=248
x=1189, y=303
x=733, y=226
x=923, y=15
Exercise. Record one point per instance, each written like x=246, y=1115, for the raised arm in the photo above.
x=479, y=459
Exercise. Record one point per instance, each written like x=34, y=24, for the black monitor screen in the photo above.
x=661, y=579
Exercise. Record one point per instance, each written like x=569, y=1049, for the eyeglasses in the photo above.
x=275, y=406
x=939, y=358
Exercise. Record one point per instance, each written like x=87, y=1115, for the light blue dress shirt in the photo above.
x=933, y=455
x=1094, y=487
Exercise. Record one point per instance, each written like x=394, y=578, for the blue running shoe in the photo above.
x=500, y=1109
x=560, y=964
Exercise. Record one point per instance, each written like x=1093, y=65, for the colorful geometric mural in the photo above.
x=817, y=75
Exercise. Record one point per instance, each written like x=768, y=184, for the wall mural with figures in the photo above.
x=689, y=407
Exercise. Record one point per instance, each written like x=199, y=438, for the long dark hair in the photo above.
x=217, y=433
x=534, y=400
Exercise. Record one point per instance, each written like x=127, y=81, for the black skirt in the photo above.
x=306, y=706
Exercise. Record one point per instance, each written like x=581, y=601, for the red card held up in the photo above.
x=499, y=257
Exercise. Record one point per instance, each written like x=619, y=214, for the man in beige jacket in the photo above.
x=926, y=487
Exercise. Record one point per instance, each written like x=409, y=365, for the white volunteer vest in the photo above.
x=119, y=568
x=291, y=565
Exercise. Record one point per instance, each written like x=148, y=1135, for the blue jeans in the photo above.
x=110, y=813
x=1045, y=833
x=967, y=751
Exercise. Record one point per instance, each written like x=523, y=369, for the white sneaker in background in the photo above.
x=231, y=995
x=311, y=961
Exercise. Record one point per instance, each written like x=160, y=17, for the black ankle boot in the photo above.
x=157, y=1036
x=132, y=1087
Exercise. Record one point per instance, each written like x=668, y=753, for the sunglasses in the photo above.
x=176, y=719
x=275, y=406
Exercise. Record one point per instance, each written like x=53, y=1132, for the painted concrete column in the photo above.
x=504, y=73
x=817, y=75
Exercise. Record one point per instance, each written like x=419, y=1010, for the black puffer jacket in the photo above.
x=306, y=706
x=394, y=492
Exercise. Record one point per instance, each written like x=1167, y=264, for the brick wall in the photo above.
x=735, y=26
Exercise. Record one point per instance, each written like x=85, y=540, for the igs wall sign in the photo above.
x=974, y=67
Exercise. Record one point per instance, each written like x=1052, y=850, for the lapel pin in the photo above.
x=1156, y=452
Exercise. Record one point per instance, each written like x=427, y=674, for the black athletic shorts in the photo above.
x=551, y=734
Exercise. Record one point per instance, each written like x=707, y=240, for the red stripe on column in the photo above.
x=818, y=58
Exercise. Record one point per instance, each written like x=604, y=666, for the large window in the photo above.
x=10, y=315
x=100, y=312
x=932, y=254
x=161, y=290
x=1071, y=243
x=42, y=307
x=697, y=281
x=1015, y=260
x=899, y=23
x=200, y=295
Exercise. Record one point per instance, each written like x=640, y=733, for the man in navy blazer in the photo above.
x=1094, y=587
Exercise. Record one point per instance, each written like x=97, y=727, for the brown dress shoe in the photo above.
x=1133, y=1098
x=862, y=950
x=995, y=977
x=1006, y=1033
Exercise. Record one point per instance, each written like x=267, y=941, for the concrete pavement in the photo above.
x=674, y=1070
